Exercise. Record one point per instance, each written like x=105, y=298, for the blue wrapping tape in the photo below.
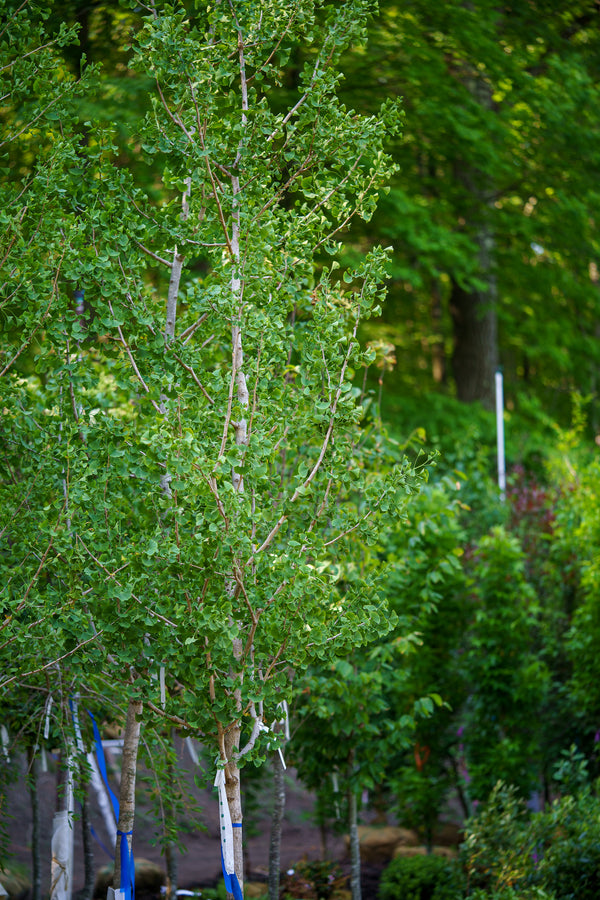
x=232, y=884
x=127, y=884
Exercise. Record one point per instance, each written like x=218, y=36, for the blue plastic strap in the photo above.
x=127, y=867
x=232, y=884
x=102, y=766
x=127, y=860
x=237, y=891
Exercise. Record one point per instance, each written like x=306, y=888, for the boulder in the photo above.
x=149, y=878
x=448, y=834
x=377, y=845
x=16, y=885
x=437, y=850
x=255, y=889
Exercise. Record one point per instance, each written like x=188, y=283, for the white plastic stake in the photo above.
x=226, y=827
x=163, y=687
x=102, y=797
x=48, y=707
x=500, y=434
x=5, y=742
x=76, y=725
x=286, y=718
x=192, y=751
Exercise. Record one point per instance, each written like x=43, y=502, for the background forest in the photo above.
x=260, y=264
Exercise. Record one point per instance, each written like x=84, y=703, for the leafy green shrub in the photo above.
x=552, y=854
x=495, y=853
x=508, y=893
x=568, y=841
x=316, y=879
x=419, y=878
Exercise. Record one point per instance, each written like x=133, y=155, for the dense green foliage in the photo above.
x=213, y=430
x=418, y=878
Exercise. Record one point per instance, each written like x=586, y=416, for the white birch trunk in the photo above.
x=61, y=867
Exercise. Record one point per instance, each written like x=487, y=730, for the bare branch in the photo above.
x=195, y=377
x=187, y=334
x=155, y=256
x=49, y=665
x=134, y=364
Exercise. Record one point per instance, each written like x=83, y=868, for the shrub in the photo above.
x=552, y=854
x=419, y=878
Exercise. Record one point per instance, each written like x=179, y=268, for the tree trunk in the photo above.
x=61, y=869
x=36, y=868
x=171, y=861
x=88, y=850
x=276, y=823
x=475, y=355
x=170, y=848
x=131, y=741
x=234, y=801
x=354, y=848
x=474, y=312
x=438, y=353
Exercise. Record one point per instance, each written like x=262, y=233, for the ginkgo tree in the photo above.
x=184, y=427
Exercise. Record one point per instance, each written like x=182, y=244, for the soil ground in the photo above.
x=200, y=864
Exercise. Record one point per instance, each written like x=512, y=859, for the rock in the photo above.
x=410, y=851
x=377, y=845
x=254, y=889
x=149, y=878
x=437, y=850
x=16, y=885
x=448, y=834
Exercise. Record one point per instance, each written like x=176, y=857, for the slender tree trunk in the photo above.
x=36, y=860
x=61, y=870
x=354, y=848
x=276, y=823
x=131, y=742
x=323, y=836
x=88, y=850
x=234, y=800
x=170, y=848
x=171, y=861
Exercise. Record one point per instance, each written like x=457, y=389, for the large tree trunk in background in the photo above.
x=131, y=742
x=475, y=355
x=474, y=312
x=438, y=355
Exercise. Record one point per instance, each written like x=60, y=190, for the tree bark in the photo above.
x=438, y=353
x=170, y=848
x=276, y=823
x=474, y=312
x=475, y=354
x=131, y=742
x=61, y=870
x=234, y=800
x=36, y=868
x=354, y=848
x=88, y=850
